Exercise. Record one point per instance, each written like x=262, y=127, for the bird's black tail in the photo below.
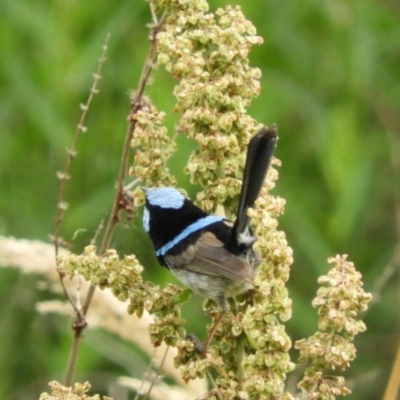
x=259, y=155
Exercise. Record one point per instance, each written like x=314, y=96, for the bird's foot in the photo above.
x=198, y=344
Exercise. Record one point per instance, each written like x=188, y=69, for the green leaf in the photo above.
x=185, y=296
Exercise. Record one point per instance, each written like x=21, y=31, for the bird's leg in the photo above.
x=213, y=329
x=202, y=347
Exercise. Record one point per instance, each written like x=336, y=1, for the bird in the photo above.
x=210, y=254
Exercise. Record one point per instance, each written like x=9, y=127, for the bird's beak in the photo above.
x=144, y=189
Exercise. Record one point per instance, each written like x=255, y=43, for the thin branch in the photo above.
x=64, y=175
x=214, y=391
x=71, y=152
x=132, y=184
x=157, y=375
x=390, y=120
x=80, y=323
x=97, y=233
x=391, y=268
x=147, y=373
x=392, y=388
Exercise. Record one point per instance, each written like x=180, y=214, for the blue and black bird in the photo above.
x=210, y=254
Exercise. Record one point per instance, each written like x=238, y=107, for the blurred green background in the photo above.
x=331, y=83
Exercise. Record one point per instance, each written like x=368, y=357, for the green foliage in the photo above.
x=330, y=81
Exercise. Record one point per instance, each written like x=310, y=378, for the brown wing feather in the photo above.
x=209, y=257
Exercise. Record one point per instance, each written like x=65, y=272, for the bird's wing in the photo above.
x=208, y=257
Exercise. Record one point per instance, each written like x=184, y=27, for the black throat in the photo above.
x=167, y=223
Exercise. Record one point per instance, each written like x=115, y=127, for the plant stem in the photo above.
x=392, y=388
x=64, y=175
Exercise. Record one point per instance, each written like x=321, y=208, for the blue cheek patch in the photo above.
x=146, y=220
x=165, y=197
x=196, y=226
